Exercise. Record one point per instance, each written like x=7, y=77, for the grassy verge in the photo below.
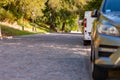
x=40, y=27
x=8, y=31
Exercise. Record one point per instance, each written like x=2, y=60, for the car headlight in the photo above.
x=108, y=30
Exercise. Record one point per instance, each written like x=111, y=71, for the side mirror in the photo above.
x=94, y=13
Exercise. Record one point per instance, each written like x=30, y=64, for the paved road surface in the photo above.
x=44, y=57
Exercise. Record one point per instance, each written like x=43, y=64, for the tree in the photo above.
x=32, y=7
x=56, y=13
x=93, y=4
x=13, y=10
x=61, y=13
x=24, y=7
x=90, y=5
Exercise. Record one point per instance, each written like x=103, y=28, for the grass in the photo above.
x=8, y=31
x=40, y=27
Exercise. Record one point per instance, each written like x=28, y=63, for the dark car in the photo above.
x=105, y=43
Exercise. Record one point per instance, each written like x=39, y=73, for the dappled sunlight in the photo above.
x=9, y=37
x=77, y=50
x=82, y=51
x=49, y=57
x=31, y=46
x=12, y=43
x=38, y=44
x=64, y=34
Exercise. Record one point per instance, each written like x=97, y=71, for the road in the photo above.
x=44, y=57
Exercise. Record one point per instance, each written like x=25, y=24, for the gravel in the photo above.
x=44, y=57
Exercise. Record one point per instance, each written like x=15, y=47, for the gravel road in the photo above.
x=44, y=57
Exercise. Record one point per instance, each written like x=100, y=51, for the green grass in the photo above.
x=8, y=31
x=40, y=27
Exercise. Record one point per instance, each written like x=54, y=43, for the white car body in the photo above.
x=88, y=23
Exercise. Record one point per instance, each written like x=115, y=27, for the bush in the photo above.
x=6, y=16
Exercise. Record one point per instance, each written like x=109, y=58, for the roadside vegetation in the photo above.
x=41, y=16
x=8, y=31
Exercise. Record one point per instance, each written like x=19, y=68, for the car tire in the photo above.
x=92, y=56
x=85, y=42
x=99, y=73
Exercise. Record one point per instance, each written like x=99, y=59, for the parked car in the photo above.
x=88, y=23
x=105, y=42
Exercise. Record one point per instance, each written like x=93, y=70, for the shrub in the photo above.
x=6, y=16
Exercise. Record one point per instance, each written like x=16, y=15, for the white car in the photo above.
x=88, y=23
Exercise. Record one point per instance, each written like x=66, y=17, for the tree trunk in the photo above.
x=63, y=26
x=52, y=27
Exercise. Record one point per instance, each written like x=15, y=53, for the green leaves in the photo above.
x=91, y=5
x=55, y=4
x=60, y=13
x=24, y=7
x=32, y=8
x=5, y=2
x=51, y=12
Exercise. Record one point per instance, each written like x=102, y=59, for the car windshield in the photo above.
x=111, y=6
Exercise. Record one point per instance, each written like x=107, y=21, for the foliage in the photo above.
x=90, y=5
x=93, y=4
x=58, y=14
x=6, y=15
x=27, y=8
x=7, y=31
x=61, y=13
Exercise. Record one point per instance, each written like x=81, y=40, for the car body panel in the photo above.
x=88, y=26
x=110, y=62
x=106, y=44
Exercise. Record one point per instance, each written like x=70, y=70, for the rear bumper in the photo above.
x=87, y=36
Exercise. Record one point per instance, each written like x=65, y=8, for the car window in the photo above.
x=111, y=6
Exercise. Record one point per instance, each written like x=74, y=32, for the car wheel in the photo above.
x=85, y=42
x=92, y=56
x=99, y=73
